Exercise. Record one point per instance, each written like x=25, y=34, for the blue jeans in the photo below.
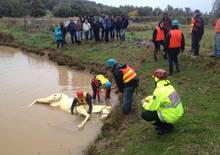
x=122, y=34
x=78, y=36
x=127, y=99
x=217, y=45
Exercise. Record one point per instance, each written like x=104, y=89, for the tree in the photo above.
x=216, y=7
x=37, y=8
x=63, y=10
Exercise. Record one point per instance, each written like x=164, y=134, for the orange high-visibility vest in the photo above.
x=128, y=74
x=217, y=26
x=175, y=38
x=160, y=34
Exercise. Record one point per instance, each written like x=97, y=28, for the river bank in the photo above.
x=196, y=133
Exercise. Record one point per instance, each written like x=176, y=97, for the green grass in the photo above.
x=198, y=132
x=146, y=34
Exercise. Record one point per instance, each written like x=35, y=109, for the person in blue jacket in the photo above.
x=58, y=36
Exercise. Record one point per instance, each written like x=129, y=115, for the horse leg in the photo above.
x=81, y=110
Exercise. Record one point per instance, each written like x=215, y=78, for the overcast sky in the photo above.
x=203, y=5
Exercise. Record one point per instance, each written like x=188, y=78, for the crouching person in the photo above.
x=82, y=99
x=99, y=82
x=164, y=108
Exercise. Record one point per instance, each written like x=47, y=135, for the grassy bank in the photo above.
x=198, y=132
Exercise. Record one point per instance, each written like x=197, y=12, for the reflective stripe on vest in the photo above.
x=175, y=39
x=128, y=74
x=217, y=26
x=160, y=34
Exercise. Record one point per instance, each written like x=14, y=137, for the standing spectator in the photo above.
x=72, y=30
x=82, y=20
x=197, y=32
x=102, y=26
x=86, y=29
x=78, y=27
x=167, y=22
x=117, y=27
x=96, y=30
x=58, y=36
x=216, y=52
x=174, y=42
x=123, y=27
x=158, y=39
x=112, y=30
x=91, y=20
x=63, y=30
x=107, y=27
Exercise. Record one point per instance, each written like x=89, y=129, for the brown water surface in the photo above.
x=39, y=129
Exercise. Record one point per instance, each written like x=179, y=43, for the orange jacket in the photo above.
x=175, y=38
x=128, y=74
x=217, y=26
x=160, y=34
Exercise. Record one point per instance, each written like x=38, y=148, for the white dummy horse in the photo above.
x=64, y=103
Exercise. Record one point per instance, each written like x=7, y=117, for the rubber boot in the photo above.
x=165, y=129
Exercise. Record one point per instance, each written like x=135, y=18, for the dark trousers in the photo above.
x=64, y=39
x=96, y=92
x=112, y=33
x=157, y=45
x=195, y=44
x=118, y=33
x=86, y=33
x=106, y=35
x=73, y=38
x=151, y=116
x=102, y=33
x=173, y=59
x=96, y=34
x=59, y=43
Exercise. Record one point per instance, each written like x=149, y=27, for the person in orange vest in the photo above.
x=82, y=98
x=126, y=80
x=174, y=42
x=158, y=39
x=216, y=52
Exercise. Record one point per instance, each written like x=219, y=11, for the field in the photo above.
x=198, y=132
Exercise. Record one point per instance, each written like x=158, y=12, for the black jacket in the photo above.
x=198, y=28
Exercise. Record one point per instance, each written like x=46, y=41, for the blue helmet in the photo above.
x=174, y=23
x=108, y=84
x=111, y=62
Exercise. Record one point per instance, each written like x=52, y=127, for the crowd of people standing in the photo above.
x=90, y=27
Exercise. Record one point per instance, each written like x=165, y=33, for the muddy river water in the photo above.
x=40, y=129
